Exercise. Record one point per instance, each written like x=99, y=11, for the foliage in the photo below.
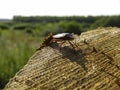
x=15, y=49
x=113, y=21
x=53, y=19
x=107, y=21
x=4, y=26
x=75, y=24
x=70, y=27
x=23, y=26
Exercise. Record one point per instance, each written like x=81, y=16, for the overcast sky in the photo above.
x=9, y=8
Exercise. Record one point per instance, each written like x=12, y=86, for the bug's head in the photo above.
x=70, y=35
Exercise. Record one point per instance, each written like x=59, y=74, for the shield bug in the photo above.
x=58, y=37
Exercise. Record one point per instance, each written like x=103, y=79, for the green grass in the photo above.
x=16, y=47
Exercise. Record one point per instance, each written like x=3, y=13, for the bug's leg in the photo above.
x=62, y=42
x=60, y=45
x=71, y=44
x=75, y=44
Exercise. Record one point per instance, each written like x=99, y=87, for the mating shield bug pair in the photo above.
x=58, y=37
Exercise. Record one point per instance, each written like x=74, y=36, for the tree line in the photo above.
x=52, y=19
x=94, y=21
x=42, y=25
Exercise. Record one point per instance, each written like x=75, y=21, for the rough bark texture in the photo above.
x=93, y=63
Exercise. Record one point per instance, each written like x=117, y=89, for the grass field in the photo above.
x=15, y=49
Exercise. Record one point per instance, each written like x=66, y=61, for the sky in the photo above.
x=10, y=8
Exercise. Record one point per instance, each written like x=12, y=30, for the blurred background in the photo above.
x=25, y=23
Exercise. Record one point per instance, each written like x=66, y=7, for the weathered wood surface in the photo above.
x=93, y=64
